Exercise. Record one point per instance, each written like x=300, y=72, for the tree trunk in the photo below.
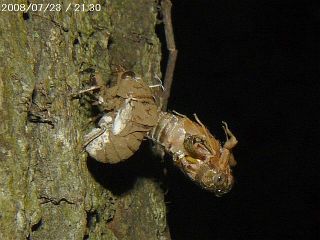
x=49, y=189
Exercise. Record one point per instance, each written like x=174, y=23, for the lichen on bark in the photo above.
x=47, y=190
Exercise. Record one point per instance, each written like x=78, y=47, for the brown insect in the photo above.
x=196, y=152
x=132, y=113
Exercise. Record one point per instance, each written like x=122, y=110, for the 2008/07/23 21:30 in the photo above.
x=50, y=7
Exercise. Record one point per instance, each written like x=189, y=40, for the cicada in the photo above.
x=196, y=151
x=134, y=115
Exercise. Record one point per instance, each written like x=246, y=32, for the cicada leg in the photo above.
x=86, y=90
x=231, y=142
x=231, y=139
x=179, y=114
x=158, y=84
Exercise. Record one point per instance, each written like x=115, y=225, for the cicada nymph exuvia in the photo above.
x=196, y=152
x=130, y=112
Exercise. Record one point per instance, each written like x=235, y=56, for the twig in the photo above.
x=168, y=79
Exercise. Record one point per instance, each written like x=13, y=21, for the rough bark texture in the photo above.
x=48, y=186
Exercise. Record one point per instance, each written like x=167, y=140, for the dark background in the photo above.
x=254, y=64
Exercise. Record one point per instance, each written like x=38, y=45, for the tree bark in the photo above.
x=49, y=189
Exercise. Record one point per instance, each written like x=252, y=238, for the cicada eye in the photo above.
x=219, y=179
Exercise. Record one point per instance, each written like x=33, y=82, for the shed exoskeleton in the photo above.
x=130, y=112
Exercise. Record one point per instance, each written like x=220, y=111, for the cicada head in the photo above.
x=217, y=181
x=205, y=166
x=208, y=161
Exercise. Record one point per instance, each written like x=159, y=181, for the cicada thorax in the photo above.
x=195, y=151
x=131, y=112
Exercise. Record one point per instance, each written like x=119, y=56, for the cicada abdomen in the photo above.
x=131, y=112
x=196, y=152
